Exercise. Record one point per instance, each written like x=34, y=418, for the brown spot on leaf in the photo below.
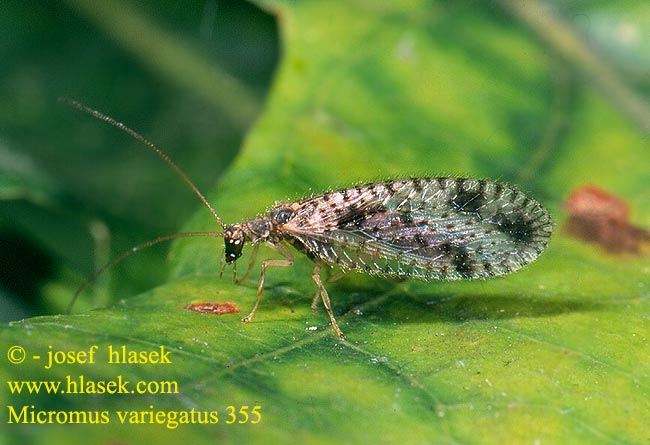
x=598, y=216
x=213, y=308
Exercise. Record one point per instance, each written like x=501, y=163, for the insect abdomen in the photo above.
x=431, y=228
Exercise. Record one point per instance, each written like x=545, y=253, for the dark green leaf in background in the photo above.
x=557, y=353
x=82, y=191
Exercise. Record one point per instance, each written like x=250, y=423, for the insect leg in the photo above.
x=337, y=275
x=251, y=264
x=287, y=261
x=326, y=300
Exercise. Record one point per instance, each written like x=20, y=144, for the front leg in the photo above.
x=287, y=261
x=251, y=264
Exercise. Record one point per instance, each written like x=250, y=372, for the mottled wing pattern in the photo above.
x=430, y=228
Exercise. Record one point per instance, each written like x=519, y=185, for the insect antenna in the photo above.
x=133, y=250
x=109, y=120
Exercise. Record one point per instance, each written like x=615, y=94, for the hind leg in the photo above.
x=314, y=302
x=326, y=300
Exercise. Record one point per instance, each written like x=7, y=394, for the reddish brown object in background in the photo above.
x=213, y=308
x=596, y=215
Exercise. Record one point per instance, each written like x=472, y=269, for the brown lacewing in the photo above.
x=441, y=228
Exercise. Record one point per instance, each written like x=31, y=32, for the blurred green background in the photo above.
x=190, y=76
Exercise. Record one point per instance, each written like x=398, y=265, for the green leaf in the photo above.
x=557, y=353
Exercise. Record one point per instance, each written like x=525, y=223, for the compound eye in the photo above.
x=234, y=241
x=283, y=216
x=233, y=249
